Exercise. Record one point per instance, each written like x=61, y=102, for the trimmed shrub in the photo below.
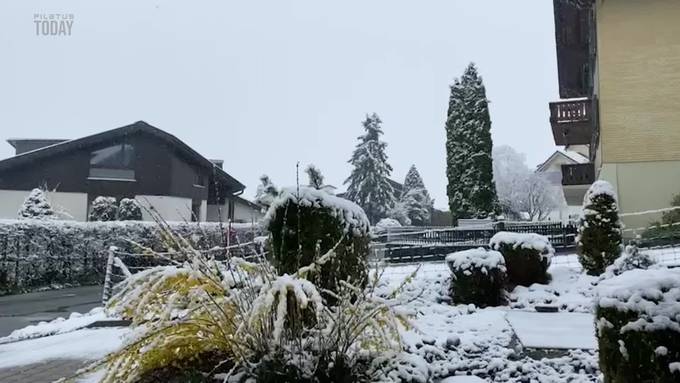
x=527, y=256
x=638, y=326
x=129, y=210
x=599, y=232
x=478, y=277
x=36, y=206
x=103, y=209
x=306, y=225
x=43, y=253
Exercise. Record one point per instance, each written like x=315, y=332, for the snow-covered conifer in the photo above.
x=103, y=209
x=471, y=190
x=129, y=210
x=369, y=186
x=36, y=206
x=415, y=199
x=599, y=232
x=315, y=177
x=266, y=192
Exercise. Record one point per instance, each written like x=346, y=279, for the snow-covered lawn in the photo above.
x=447, y=339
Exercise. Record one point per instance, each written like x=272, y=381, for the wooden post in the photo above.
x=106, y=293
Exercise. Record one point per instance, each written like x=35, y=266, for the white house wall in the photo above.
x=170, y=208
x=66, y=205
x=245, y=213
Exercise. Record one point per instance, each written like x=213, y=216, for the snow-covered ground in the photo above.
x=448, y=339
x=463, y=339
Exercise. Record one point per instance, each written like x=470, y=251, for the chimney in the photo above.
x=218, y=163
x=23, y=145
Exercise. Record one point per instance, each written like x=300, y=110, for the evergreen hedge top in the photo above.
x=653, y=294
x=350, y=214
x=478, y=258
x=598, y=188
x=533, y=241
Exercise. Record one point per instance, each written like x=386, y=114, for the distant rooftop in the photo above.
x=23, y=145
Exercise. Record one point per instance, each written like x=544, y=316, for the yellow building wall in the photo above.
x=638, y=87
x=639, y=79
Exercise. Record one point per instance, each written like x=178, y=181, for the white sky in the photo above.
x=264, y=84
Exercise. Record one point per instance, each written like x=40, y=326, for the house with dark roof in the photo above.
x=134, y=161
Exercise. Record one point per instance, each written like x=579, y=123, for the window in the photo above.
x=115, y=162
x=200, y=180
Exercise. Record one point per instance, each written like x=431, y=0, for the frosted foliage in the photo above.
x=533, y=241
x=350, y=214
x=368, y=183
x=387, y=223
x=415, y=205
x=631, y=258
x=266, y=191
x=129, y=210
x=36, y=206
x=470, y=189
x=653, y=294
x=103, y=209
x=521, y=190
x=479, y=258
x=315, y=177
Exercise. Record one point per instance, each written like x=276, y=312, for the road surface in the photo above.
x=21, y=310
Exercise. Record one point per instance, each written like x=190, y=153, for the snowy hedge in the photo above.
x=638, y=326
x=307, y=223
x=46, y=253
x=478, y=277
x=527, y=256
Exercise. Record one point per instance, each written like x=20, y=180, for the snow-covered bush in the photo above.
x=385, y=224
x=306, y=223
x=599, y=231
x=103, y=209
x=36, y=206
x=527, y=256
x=631, y=258
x=242, y=320
x=638, y=326
x=478, y=277
x=53, y=253
x=129, y=210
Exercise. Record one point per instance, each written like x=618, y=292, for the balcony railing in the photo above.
x=572, y=122
x=578, y=174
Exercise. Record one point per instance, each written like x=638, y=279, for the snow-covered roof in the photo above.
x=570, y=155
x=350, y=214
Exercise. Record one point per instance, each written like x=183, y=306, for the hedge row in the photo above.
x=37, y=254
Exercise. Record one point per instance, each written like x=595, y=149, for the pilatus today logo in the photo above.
x=53, y=24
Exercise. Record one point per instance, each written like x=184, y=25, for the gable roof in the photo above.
x=571, y=156
x=137, y=127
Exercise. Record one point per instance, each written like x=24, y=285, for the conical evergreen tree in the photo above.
x=368, y=184
x=599, y=233
x=471, y=190
x=36, y=206
x=415, y=199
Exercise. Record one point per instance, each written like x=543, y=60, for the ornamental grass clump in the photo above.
x=479, y=276
x=305, y=222
x=638, y=326
x=527, y=256
x=200, y=319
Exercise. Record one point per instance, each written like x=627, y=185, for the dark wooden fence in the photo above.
x=431, y=244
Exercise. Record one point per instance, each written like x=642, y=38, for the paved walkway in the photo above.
x=21, y=310
x=45, y=372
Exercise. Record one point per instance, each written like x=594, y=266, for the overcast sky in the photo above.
x=264, y=84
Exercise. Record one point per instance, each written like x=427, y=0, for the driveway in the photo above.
x=21, y=310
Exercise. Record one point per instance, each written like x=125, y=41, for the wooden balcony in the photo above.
x=578, y=174
x=572, y=122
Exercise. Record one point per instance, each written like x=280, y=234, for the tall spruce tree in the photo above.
x=368, y=184
x=471, y=190
x=36, y=206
